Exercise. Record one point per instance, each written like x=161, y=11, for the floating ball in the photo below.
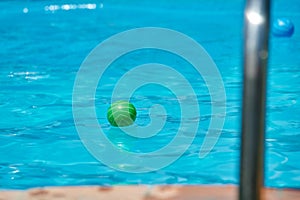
x=121, y=113
x=283, y=27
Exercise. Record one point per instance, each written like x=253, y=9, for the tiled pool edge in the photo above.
x=142, y=192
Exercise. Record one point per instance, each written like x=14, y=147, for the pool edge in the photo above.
x=142, y=192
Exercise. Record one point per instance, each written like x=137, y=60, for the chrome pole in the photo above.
x=257, y=14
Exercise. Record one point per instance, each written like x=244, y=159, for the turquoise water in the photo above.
x=43, y=45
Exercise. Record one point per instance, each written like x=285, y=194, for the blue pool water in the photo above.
x=43, y=44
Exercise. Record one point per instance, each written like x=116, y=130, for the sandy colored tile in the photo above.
x=168, y=192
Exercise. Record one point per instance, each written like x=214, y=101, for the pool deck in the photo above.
x=142, y=192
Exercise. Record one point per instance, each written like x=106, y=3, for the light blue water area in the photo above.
x=43, y=44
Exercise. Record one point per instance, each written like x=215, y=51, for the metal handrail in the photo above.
x=257, y=17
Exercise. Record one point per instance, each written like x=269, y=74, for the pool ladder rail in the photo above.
x=257, y=19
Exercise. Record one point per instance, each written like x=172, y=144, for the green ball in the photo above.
x=121, y=113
